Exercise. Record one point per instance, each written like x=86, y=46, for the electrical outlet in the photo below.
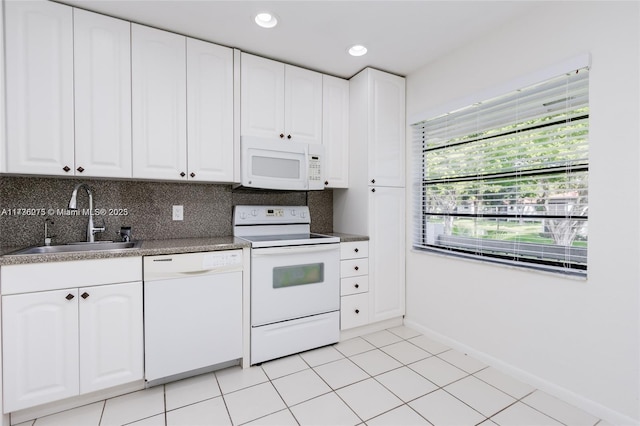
x=178, y=213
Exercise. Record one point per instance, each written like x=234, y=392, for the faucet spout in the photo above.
x=73, y=205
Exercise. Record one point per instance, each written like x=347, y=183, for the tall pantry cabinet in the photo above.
x=374, y=203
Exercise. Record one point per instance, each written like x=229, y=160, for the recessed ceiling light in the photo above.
x=357, y=50
x=266, y=20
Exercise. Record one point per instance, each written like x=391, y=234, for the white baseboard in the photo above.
x=28, y=414
x=370, y=328
x=592, y=407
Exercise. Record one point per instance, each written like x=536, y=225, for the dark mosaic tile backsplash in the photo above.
x=25, y=203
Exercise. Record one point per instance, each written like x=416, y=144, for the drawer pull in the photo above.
x=84, y=295
x=356, y=250
x=357, y=311
x=356, y=268
x=69, y=296
x=357, y=285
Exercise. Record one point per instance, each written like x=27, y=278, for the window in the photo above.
x=506, y=180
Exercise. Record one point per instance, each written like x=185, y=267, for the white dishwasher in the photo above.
x=192, y=313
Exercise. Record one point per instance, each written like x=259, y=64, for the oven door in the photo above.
x=294, y=282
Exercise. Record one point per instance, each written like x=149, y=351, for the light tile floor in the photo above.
x=394, y=377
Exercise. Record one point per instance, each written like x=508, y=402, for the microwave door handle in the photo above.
x=306, y=166
x=268, y=251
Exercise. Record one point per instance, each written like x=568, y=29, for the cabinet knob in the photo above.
x=84, y=295
x=66, y=168
x=69, y=296
x=182, y=174
x=192, y=174
x=281, y=135
x=357, y=311
x=80, y=169
x=373, y=190
x=373, y=181
x=356, y=249
x=357, y=285
x=356, y=268
x=326, y=182
x=288, y=136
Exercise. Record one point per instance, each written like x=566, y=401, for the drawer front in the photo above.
x=30, y=277
x=354, y=250
x=354, y=311
x=354, y=267
x=354, y=285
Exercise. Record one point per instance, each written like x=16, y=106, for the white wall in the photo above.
x=578, y=339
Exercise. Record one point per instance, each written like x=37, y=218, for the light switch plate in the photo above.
x=178, y=213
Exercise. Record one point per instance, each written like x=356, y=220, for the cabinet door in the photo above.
x=386, y=253
x=335, y=130
x=102, y=65
x=302, y=105
x=39, y=83
x=3, y=133
x=111, y=340
x=262, y=97
x=39, y=348
x=159, y=96
x=210, y=112
x=386, y=129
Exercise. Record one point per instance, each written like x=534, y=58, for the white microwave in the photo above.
x=284, y=165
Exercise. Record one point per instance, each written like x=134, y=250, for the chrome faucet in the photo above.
x=91, y=229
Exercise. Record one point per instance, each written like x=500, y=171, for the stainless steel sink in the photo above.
x=81, y=247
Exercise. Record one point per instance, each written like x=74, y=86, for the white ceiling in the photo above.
x=401, y=36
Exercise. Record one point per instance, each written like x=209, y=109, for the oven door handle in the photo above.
x=317, y=248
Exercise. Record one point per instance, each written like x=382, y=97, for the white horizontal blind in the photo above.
x=507, y=179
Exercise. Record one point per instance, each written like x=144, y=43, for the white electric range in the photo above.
x=295, y=281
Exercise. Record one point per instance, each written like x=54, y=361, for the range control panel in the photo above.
x=270, y=215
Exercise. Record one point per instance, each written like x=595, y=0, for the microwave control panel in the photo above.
x=315, y=173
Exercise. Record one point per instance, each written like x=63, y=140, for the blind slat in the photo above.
x=507, y=179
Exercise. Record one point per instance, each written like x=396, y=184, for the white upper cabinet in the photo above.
x=280, y=101
x=302, y=105
x=386, y=129
x=262, y=97
x=102, y=61
x=3, y=133
x=39, y=87
x=159, y=96
x=210, y=109
x=335, y=130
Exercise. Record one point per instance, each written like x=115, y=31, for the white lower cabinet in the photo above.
x=40, y=347
x=110, y=323
x=354, y=284
x=64, y=342
x=387, y=273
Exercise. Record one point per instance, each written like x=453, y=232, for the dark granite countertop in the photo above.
x=148, y=248
x=348, y=238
